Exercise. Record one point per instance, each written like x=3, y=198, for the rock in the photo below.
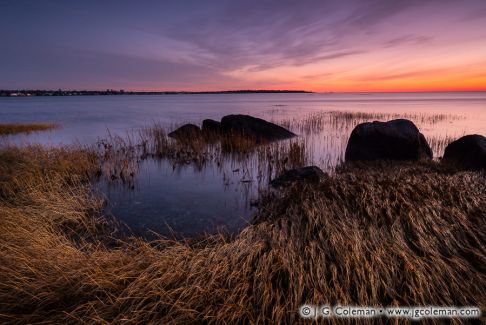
x=251, y=126
x=311, y=174
x=186, y=132
x=393, y=140
x=467, y=153
x=211, y=126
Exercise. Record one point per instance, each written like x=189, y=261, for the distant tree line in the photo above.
x=60, y=92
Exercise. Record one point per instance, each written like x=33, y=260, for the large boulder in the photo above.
x=253, y=127
x=311, y=174
x=393, y=140
x=211, y=126
x=186, y=132
x=467, y=153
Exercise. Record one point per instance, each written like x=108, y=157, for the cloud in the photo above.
x=263, y=35
x=95, y=70
x=407, y=40
x=367, y=14
x=191, y=43
x=317, y=76
x=478, y=13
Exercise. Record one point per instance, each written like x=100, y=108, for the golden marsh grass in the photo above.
x=15, y=128
x=408, y=234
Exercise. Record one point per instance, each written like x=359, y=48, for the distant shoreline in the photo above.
x=110, y=92
x=57, y=93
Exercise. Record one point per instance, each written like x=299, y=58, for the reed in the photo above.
x=345, y=121
x=120, y=156
x=438, y=143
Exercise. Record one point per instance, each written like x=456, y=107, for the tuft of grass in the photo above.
x=408, y=234
x=14, y=128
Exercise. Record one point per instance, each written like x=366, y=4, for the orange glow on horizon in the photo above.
x=401, y=86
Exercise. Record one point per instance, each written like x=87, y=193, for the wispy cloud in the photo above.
x=193, y=44
x=407, y=40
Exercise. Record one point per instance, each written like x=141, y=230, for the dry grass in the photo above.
x=14, y=128
x=388, y=235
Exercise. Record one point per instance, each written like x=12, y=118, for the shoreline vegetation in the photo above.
x=15, y=128
x=347, y=240
x=111, y=92
x=376, y=234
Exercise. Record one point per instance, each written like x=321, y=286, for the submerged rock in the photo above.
x=254, y=127
x=393, y=140
x=211, y=126
x=311, y=174
x=186, y=132
x=467, y=153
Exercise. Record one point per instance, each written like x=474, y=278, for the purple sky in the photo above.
x=212, y=45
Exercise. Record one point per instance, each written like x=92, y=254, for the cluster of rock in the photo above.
x=398, y=139
x=401, y=140
x=244, y=125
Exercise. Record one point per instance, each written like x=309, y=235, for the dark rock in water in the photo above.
x=211, y=126
x=310, y=174
x=393, y=140
x=254, y=127
x=186, y=132
x=467, y=153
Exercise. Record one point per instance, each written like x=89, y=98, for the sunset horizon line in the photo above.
x=241, y=90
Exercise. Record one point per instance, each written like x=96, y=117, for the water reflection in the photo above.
x=184, y=201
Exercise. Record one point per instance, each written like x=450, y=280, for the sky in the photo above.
x=360, y=45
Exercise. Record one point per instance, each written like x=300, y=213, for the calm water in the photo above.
x=190, y=200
